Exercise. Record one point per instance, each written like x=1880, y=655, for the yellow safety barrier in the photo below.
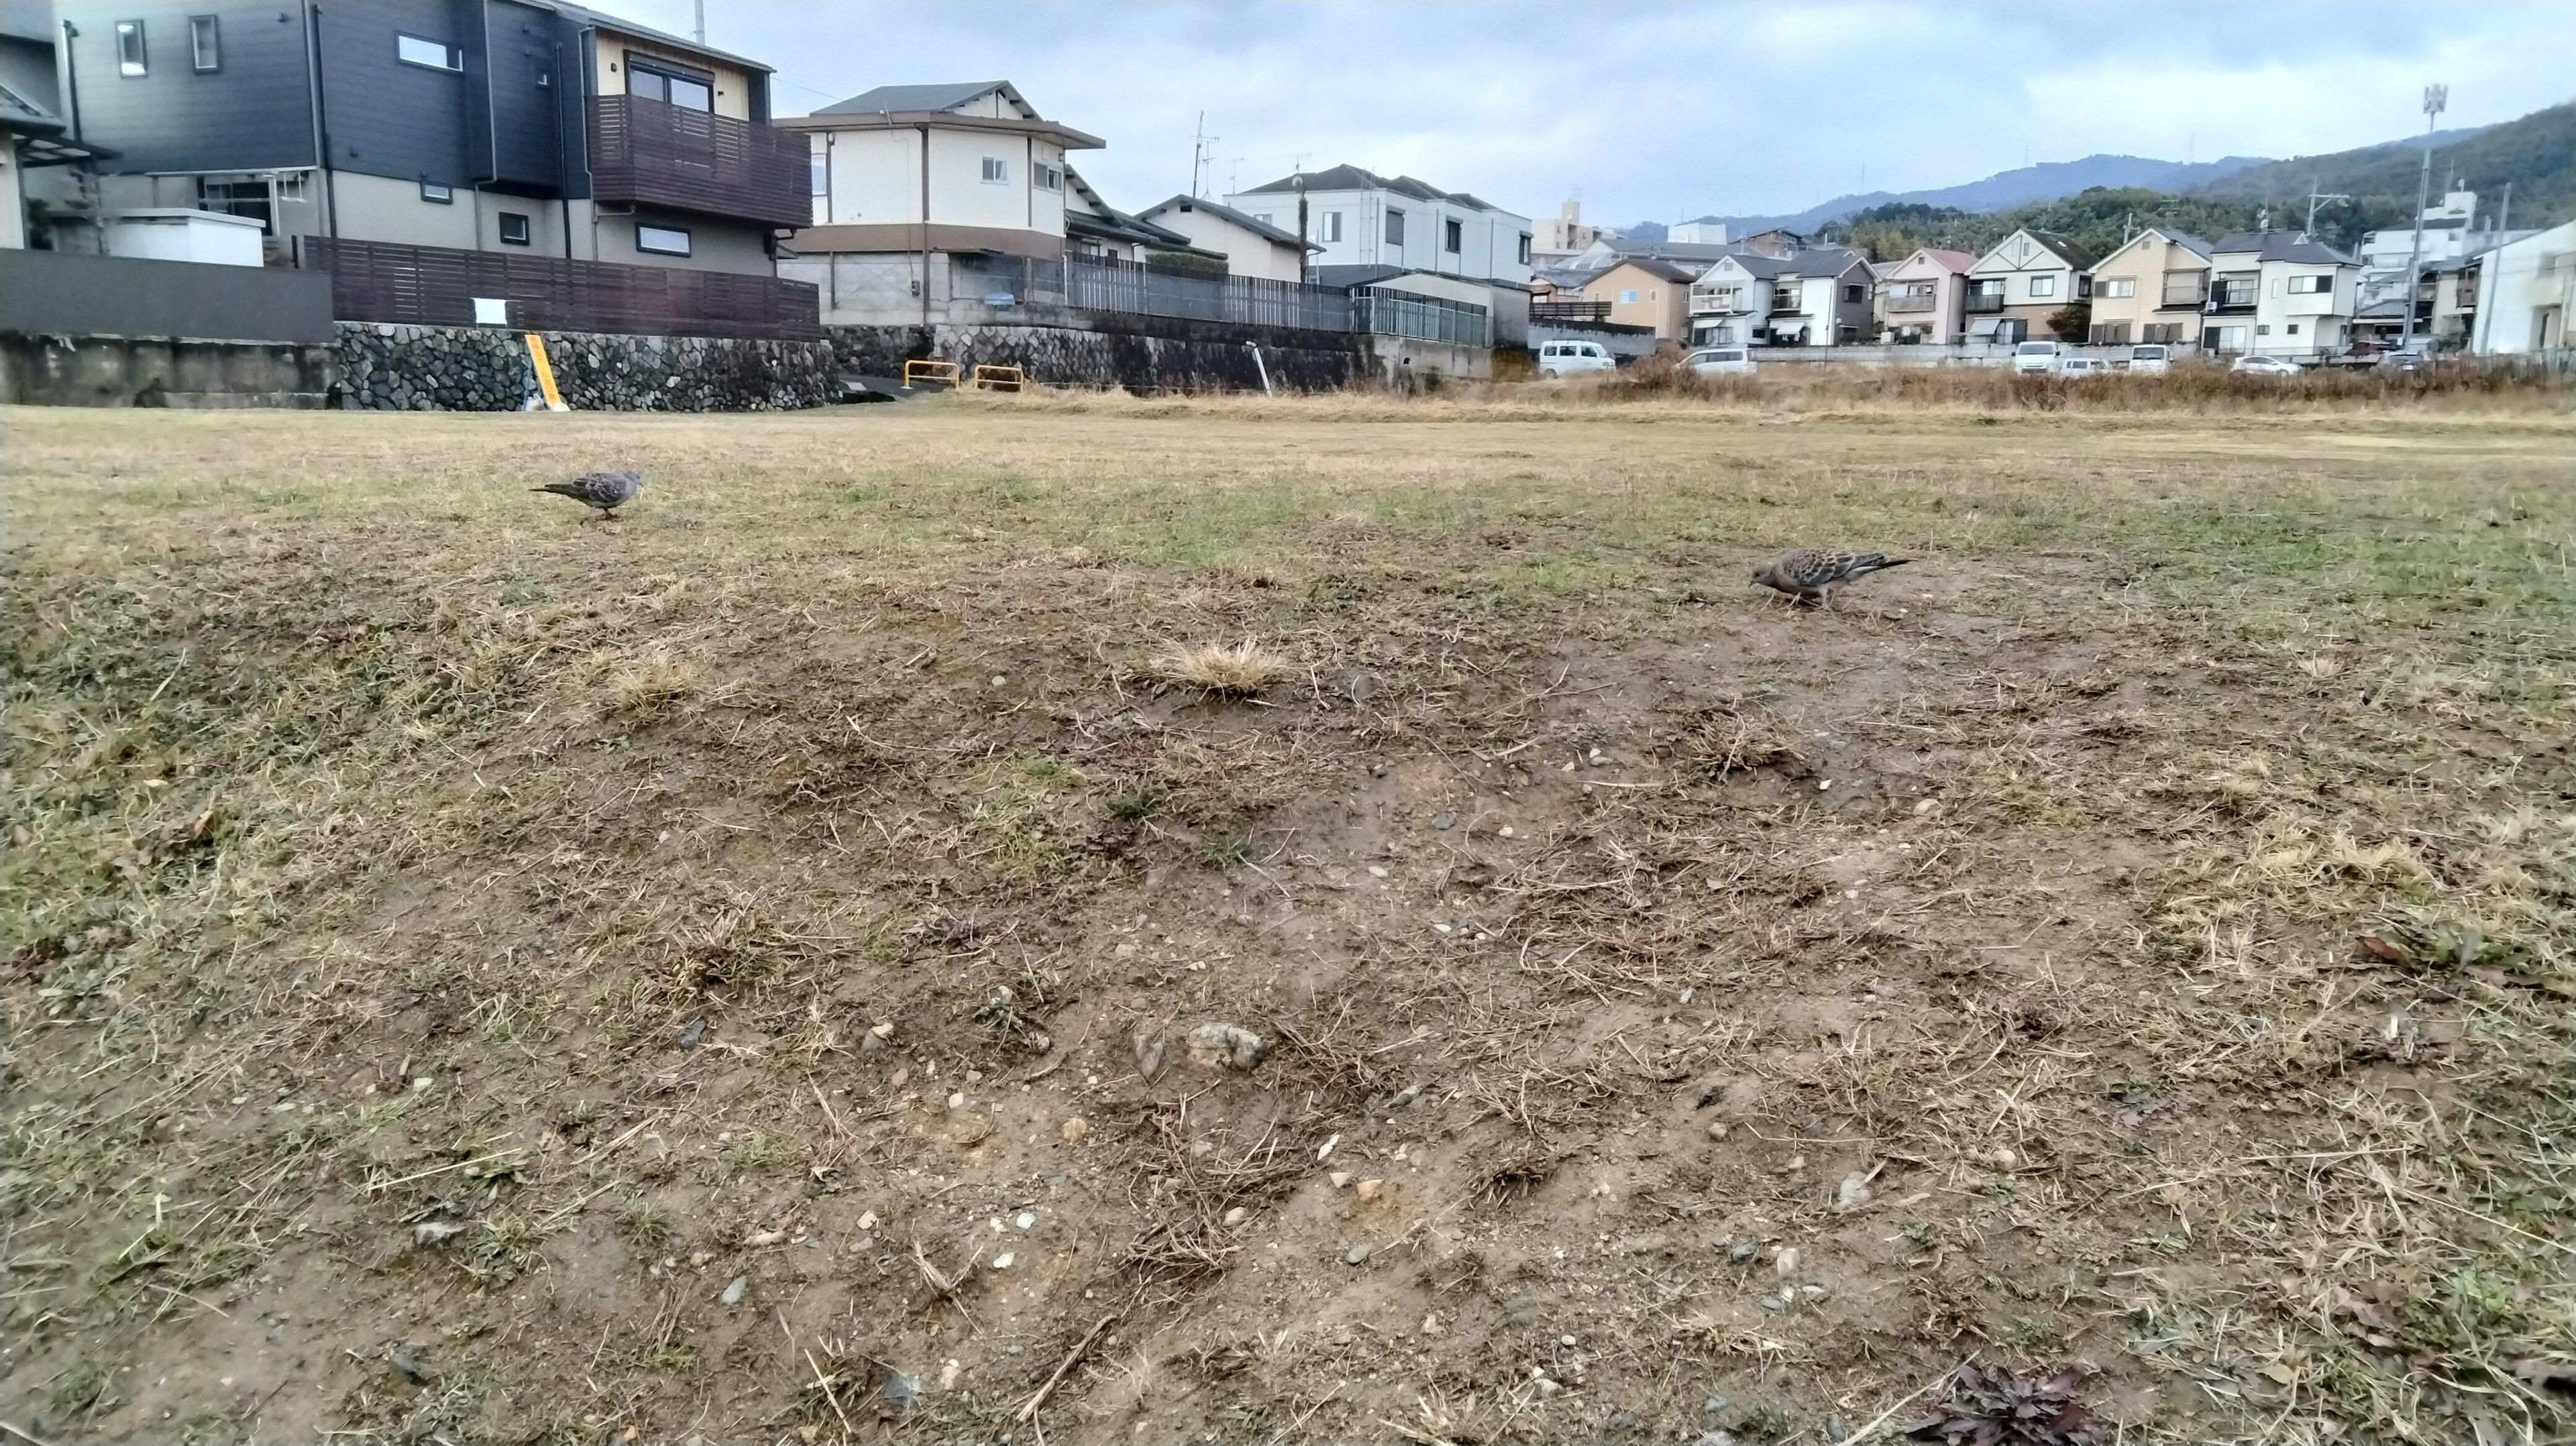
x=994, y=379
x=916, y=372
x=545, y=373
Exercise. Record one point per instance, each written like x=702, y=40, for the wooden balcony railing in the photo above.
x=653, y=153
x=437, y=286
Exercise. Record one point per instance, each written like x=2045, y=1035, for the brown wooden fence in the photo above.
x=650, y=151
x=437, y=286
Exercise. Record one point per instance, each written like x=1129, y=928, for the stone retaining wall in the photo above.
x=1142, y=354
x=126, y=371
x=485, y=369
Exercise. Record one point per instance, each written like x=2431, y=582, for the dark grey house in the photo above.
x=520, y=127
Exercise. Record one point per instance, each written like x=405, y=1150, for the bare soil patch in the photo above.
x=825, y=959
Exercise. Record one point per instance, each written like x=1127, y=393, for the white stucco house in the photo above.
x=2277, y=293
x=1250, y=245
x=1356, y=217
x=909, y=177
x=2526, y=292
x=1818, y=296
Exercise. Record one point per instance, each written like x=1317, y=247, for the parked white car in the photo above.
x=2265, y=366
x=2152, y=359
x=2080, y=366
x=1564, y=358
x=2035, y=356
x=1719, y=361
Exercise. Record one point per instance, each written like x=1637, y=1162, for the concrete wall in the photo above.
x=58, y=292
x=111, y=371
x=1139, y=353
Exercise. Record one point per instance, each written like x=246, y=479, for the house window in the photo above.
x=205, y=45
x=1264, y=218
x=1048, y=178
x=1329, y=227
x=1394, y=227
x=247, y=199
x=129, y=48
x=2117, y=287
x=2294, y=328
x=1525, y=248
x=671, y=84
x=436, y=194
x=2312, y=285
x=1628, y=297
x=2043, y=286
x=2264, y=329
x=431, y=54
x=514, y=229
x=997, y=172
x=1855, y=293
x=661, y=240
x=1453, y=235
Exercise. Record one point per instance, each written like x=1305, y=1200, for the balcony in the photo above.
x=1723, y=301
x=1787, y=303
x=1563, y=311
x=1900, y=303
x=653, y=153
x=1985, y=303
x=2233, y=296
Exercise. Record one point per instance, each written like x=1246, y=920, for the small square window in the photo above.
x=437, y=194
x=205, y=44
x=1452, y=235
x=1047, y=177
x=1394, y=226
x=1331, y=229
x=997, y=171
x=1628, y=298
x=432, y=54
x=514, y=229
x=130, y=59
x=2294, y=328
x=661, y=240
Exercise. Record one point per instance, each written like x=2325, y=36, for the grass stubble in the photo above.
x=449, y=948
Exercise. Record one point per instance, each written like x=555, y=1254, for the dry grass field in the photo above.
x=1090, y=920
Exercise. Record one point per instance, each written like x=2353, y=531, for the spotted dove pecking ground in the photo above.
x=1810, y=574
x=602, y=492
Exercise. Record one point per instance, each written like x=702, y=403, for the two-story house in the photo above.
x=2024, y=281
x=1926, y=297
x=909, y=178
x=2151, y=289
x=1644, y=291
x=523, y=127
x=1355, y=217
x=2278, y=293
x=1816, y=296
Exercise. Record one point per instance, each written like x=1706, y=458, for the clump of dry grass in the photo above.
x=1234, y=670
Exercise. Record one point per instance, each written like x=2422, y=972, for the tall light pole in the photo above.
x=2436, y=97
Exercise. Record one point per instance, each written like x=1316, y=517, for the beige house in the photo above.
x=1646, y=291
x=2151, y=290
x=2027, y=278
x=1926, y=297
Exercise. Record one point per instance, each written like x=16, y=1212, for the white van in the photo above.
x=2152, y=359
x=2081, y=366
x=1718, y=361
x=2035, y=356
x=1562, y=358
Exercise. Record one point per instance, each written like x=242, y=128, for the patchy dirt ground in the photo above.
x=747, y=973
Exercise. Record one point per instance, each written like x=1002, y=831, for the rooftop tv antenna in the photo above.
x=1200, y=158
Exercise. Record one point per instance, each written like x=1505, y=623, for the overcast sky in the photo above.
x=1666, y=111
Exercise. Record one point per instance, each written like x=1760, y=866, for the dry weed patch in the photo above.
x=780, y=969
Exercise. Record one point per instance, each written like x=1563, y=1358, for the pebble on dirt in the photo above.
x=1149, y=1055
x=1073, y=1130
x=1853, y=1193
x=1227, y=1045
x=735, y=1289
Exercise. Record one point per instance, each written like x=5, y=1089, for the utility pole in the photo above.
x=1200, y=156
x=2504, y=213
x=2317, y=198
x=1298, y=180
x=2436, y=98
x=700, y=9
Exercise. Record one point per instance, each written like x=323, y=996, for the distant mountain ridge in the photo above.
x=2047, y=181
x=2536, y=154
